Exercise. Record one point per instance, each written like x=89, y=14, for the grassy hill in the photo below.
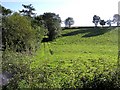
x=77, y=57
x=82, y=44
x=80, y=58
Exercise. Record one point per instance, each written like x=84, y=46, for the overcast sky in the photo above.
x=82, y=11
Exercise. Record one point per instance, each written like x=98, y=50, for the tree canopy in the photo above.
x=18, y=33
x=69, y=21
x=116, y=19
x=5, y=11
x=28, y=10
x=109, y=22
x=102, y=22
x=52, y=23
x=96, y=20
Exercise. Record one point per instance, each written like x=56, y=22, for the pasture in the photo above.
x=77, y=57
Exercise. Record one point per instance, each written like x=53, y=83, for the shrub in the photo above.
x=18, y=34
x=16, y=67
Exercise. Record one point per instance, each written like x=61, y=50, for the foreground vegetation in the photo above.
x=37, y=53
x=80, y=58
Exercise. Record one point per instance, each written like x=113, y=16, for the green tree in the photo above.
x=69, y=21
x=18, y=33
x=102, y=22
x=28, y=10
x=109, y=22
x=4, y=11
x=116, y=19
x=52, y=23
x=36, y=25
x=39, y=20
x=96, y=20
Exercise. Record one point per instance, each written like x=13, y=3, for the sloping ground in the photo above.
x=77, y=57
x=101, y=43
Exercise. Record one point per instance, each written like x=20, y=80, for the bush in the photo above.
x=24, y=75
x=16, y=67
x=18, y=34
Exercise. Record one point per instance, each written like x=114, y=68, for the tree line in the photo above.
x=24, y=31
x=97, y=19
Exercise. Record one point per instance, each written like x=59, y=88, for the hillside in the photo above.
x=77, y=54
x=82, y=43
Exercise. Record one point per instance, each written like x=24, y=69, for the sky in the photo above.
x=82, y=11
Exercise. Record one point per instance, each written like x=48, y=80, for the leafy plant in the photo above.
x=18, y=34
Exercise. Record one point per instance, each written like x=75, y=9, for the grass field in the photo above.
x=74, y=45
x=77, y=57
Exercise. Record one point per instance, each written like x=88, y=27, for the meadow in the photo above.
x=79, y=58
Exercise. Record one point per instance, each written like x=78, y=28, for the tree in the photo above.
x=52, y=23
x=28, y=10
x=69, y=21
x=96, y=20
x=116, y=19
x=35, y=23
x=102, y=22
x=18, y=34
x=5, y=12
x=39, y=20
x=109, y=22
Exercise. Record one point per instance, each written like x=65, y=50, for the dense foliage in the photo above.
x=52, y=23
x=81, y=58
x=76, y=62
x=18, y=34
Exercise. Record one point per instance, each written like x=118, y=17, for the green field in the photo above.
x=78, y=55
x=73, y=45
x=37, y=53
x=79, y=58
